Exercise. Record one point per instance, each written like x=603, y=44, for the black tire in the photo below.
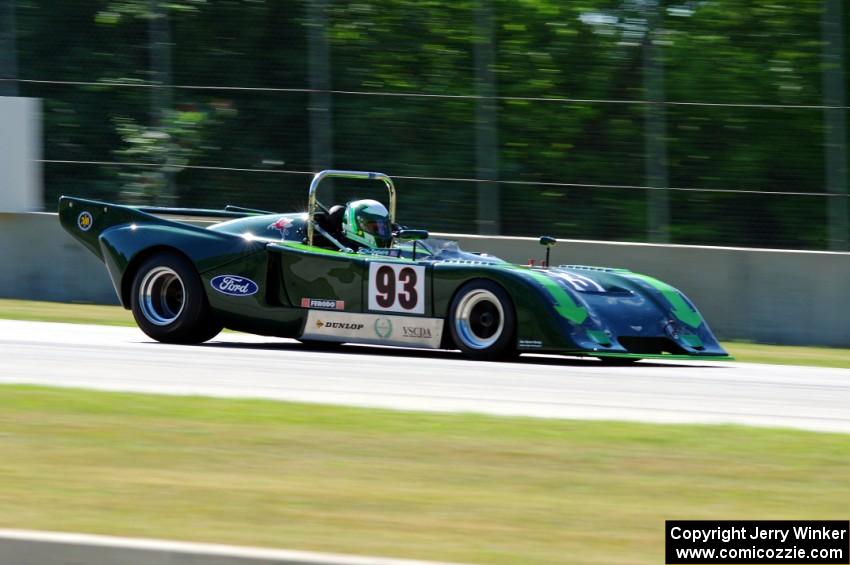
x=482, y=321
x=169, y=303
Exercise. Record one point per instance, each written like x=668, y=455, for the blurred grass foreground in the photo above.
x=463, y=488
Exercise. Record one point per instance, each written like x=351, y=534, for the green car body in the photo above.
x=259, y=274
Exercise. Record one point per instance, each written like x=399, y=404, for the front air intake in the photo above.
x=650, y=345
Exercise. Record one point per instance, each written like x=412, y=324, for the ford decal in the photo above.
x=233, y=285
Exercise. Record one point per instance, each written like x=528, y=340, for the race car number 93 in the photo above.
x=397, y=288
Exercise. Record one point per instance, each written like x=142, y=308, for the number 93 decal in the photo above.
x=397, y=288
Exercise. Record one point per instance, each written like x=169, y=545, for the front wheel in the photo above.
x=169, y=303
x=482, y=321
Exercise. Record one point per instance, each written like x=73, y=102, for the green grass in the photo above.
x=466, y=488
x=63, y=312
x=117, y=316
x=789, y=354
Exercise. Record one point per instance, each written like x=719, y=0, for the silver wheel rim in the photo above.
x=162, y=296
x=479, y=319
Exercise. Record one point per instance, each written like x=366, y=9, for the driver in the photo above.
x=366, y=223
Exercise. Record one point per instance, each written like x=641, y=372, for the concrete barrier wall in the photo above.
x=20, y=154
x=40, y=261
x=20, y=547
x=771, y=296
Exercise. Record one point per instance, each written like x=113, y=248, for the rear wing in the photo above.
x=87, y=219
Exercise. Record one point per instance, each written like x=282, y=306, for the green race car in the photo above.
x=351, y=274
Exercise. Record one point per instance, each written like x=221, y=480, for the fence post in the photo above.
x=486, y=121
x=835, y=123
x=658, y=203
x=161, y=103
x=8, y=51
x=319, y=108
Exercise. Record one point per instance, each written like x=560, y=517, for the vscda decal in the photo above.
x=233, y=285
x=418, y=332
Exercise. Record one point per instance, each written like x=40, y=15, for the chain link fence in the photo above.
x=719, y=122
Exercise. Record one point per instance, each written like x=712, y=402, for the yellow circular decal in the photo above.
x=84, y=221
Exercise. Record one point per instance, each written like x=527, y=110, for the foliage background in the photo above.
x=750, y=52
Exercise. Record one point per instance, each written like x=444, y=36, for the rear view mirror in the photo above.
x=412, y=235
x=549, y=242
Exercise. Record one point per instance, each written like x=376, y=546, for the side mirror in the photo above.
x=412, y=235
x=549, y=242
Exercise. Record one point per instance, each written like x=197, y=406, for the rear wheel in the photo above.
x=482, y=322
x=169, y=303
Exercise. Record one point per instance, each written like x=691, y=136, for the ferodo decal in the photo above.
x=378, y=329
x=323, y=303
x=397, y=287
x=84, y=221
x=234, y=285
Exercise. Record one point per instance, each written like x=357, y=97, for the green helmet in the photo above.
x=367, y=222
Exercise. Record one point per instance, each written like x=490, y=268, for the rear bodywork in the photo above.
x=260, y=276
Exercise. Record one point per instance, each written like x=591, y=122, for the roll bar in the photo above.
x=313, y=202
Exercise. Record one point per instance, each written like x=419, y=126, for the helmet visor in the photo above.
x=376, y=225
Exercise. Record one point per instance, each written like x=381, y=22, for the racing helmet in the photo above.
x=367, y=222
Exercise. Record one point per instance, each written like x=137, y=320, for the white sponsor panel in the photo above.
x=404, y=331
x=397, y=287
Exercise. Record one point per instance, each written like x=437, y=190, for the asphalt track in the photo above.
x=240, y=365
